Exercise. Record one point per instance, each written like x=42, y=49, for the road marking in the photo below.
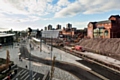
x=24, y=75
x=22, y=72
x=38, y=78
x=98, y=75
x=19, y=72
x=27, y=77
x=33, y=78
x=34, y=75
x=37, y=64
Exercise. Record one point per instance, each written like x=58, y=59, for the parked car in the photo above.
x=78, y=48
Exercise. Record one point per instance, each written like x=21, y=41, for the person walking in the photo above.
x=26, y=66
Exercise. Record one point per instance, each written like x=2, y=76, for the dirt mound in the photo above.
x=109, y=47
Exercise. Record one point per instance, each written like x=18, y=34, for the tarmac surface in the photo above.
x=23, y=74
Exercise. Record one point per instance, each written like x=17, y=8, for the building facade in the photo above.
x=49, y=27
x=45, y=28
x=6, y=39
x=58, y=27
x=69, y=26
x=105, y=29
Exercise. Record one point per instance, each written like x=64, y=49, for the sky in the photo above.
x=21, y=14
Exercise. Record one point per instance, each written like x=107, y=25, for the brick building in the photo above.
x=105, y=29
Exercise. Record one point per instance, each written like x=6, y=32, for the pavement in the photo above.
x=61, y=55
x=99, y=57
x=35, y=66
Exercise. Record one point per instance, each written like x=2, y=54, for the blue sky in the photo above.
x=21, y=14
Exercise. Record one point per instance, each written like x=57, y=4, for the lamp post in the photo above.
x=30, y=71
x=40, y=40
x=51, y=48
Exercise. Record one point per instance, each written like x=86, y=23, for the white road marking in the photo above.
x=27, y=77
x=34, y=75
x=38, y=78
x=37, y=64
x=23, y=72
x=24, y=76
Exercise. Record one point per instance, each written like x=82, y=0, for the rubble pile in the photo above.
x=108, y=47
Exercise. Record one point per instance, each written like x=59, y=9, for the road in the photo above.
x=80, y=72
x=106, y=72
x=36, y=66
x=23, y=74
x=64, y=61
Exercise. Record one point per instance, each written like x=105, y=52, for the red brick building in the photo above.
x=105, y=29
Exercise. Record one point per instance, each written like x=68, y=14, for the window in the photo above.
x=106, y=33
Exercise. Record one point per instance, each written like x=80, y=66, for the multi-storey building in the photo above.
x=49, y=27
x=105, y=29
x=6, y=39
x=69, y=26
x=58, y=27
x=45, y=28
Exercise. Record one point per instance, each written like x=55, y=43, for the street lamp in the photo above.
x=30, y=71
x=40, y=34
x=51, y=47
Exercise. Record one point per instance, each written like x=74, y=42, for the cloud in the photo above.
x=71, y=10
x=63, y=3
x=25, y=7
x=88, y=7
x=81, y=25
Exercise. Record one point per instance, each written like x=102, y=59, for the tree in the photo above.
x=29, y=31
x=7, y=58
x=38, y=35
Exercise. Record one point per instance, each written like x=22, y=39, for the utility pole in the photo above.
x=40, y=44
x=52, y=68
x=40, y=41
x=51, y=47
x=30, y=71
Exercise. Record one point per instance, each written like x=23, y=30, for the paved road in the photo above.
x=81, y=73
x=36, y=66
x=111, y=75
x=23, y=74
x=102, y=70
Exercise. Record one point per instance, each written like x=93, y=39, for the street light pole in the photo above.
x=51, y=48
x=30, y=69
x=29, y=37
x=40, y=41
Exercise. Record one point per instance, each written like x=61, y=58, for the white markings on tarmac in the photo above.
x=34, y=75
x=48, y=58
x=23, y=72
x=33, y=78
x=38, y=78
x=22, y=78
x=27, y=77
x=37, y=64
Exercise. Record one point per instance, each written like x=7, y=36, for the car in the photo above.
x=73, y=48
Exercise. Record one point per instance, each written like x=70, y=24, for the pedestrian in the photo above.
x=26, y=66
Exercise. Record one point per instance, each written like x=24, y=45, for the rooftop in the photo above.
x=4, y=34
x=105, y=21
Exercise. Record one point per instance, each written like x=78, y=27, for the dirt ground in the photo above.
x=108, y=47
